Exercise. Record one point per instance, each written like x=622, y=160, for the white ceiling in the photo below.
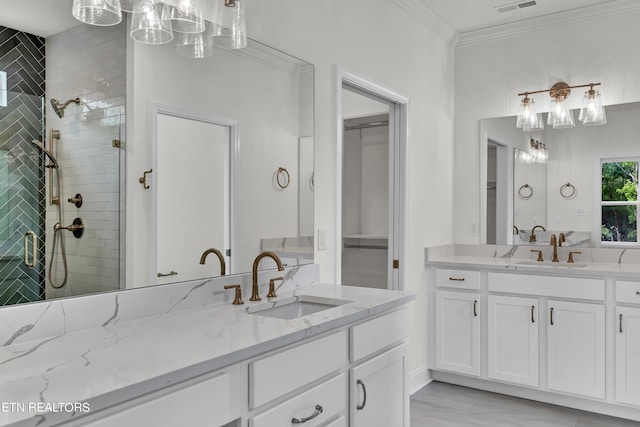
x=469, y=15
x=39, y=17
x=47, y=17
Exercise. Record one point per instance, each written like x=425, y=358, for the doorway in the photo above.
x=371, y=179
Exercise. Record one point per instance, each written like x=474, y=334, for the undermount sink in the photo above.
x=295, y=307
x=551, y=264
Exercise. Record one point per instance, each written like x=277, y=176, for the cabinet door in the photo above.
x=513, y=339
x=628, y=355
x=576, y=348
x=379, y=393
x=458, y=332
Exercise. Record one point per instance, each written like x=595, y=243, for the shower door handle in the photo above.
x=34, y=240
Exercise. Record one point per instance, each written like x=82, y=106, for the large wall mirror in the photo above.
x=564, y=193
x=267, y=93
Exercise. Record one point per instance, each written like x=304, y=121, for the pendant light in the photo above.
x=134, y=6
x=229, y=24
x=592, y=112
x=186, y=16
x=198, y=45
x=97, y=12
x=148, y=27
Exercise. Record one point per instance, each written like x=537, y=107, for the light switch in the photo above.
x=322, y=239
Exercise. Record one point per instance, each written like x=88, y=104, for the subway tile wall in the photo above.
x=89, y=63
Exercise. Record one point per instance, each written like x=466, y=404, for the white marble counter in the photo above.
x=590, y=262
x=111, y=363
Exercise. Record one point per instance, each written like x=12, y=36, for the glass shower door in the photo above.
x=22, y=201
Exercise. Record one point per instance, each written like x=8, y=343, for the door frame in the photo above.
x=233, y=147
x=398, y=167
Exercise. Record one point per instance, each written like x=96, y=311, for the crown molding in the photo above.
x=419, y=10
x=589, y=13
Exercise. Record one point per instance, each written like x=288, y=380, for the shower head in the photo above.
x=47, y=153
x=58, y=107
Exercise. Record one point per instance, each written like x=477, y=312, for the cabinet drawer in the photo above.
x=379, y=333
x=330, y=396
x=548, y=286
x=628, y=292
x=207, y=402
x=340, y=422
x=283, y=372
x=459, y=279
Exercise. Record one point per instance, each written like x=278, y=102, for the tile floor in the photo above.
x=445, y=405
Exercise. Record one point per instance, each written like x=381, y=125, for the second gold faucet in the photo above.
x=255, y=291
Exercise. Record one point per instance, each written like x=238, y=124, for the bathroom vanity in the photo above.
x=562, y=333
x=252, y=365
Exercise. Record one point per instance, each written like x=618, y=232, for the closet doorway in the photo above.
x=371, y=189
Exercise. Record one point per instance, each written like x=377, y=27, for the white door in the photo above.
x=513, y=339
x=576, y=348
x=458, y=332
x=628, y=355
x=192, y=197
x=379, y=391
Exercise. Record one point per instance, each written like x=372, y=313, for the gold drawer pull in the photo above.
x=457, y=279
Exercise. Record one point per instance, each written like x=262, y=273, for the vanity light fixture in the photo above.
x=197, y=25
x=560, y=115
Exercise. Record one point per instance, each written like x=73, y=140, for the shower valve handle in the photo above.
x=76, y=200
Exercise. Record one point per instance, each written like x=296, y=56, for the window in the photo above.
x=619, y=201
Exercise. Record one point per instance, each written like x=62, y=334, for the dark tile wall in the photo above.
x=22, y=58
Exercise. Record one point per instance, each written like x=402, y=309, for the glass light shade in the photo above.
x=230, y=28
x=198, y=45
x=526, y=114
x=592, y=112
x=97, y=12
x=134, y=6
x=148, y=28
x=186, y=16
x=535, y=124
x=560, y=116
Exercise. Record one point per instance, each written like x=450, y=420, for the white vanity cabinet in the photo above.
x=628, y=343
x=513, y=339
x=576, y=348
x=378, y=374
x=458, y=332
x=204, y=401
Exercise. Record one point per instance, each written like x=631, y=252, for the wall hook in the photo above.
x=143, y=179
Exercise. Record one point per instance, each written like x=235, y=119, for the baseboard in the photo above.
x=419, y=378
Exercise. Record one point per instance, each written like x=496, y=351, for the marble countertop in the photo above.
x=591, y=262
x=109, y=364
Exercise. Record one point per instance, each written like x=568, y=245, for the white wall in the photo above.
x=490, y=74
x=87, y=62
x=376, y=39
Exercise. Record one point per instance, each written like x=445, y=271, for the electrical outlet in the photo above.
x=582, y=212
x=322, y=239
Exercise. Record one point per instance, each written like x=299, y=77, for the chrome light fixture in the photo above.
x=560, y=115
x=205, y=22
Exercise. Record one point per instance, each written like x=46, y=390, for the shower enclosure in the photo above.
x=22, y=201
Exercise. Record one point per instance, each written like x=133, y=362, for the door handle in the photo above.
x=551, y=315
x=533, y=320
x=475, y=308
x=621, y=323
x=34, y=240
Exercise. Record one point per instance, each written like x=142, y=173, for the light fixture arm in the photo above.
x=558, y=87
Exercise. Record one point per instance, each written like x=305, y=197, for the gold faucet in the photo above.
x=561, y=239
x=532, y=238
x=553, y=242
x=255, y=292
x=220, y=257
